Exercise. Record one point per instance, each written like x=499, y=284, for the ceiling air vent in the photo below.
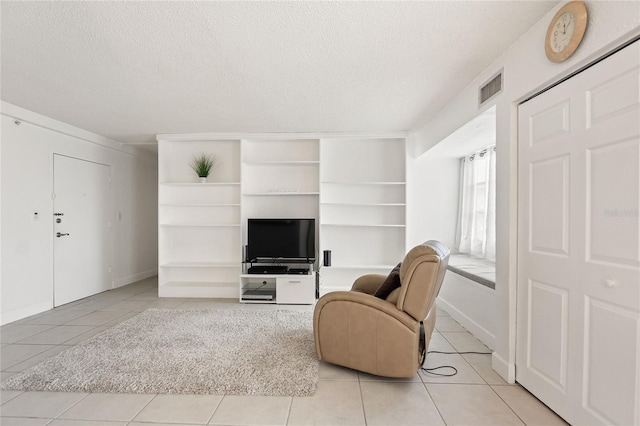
x=490, y=89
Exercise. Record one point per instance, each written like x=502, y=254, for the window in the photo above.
x=476, y=230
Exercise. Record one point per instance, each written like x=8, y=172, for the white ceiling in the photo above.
x=129, y=70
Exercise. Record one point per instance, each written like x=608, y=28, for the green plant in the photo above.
x=203, y=163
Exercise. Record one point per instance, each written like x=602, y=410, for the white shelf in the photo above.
x=281, y=163
x=363, y=225
x=204, y=185
x=271, y=194
x=361, y=267
x=200, y=225
x=202, y=265
x=362, y=183
x=199, y=205
x=260, y=276
x=365, y=204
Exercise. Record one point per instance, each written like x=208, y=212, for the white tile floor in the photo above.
x=475, y=396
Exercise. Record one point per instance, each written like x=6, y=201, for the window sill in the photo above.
x=481, y=271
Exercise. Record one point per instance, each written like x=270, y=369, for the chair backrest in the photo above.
x=421, y=275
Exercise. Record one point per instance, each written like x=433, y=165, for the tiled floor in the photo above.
x=475, y=396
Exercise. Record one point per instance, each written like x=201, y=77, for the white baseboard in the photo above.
x=467, y=322
x=26, y=311
x=135, y=277
x=503, y=368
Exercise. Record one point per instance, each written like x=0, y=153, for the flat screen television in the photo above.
x=283, y=239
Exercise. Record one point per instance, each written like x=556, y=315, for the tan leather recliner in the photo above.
x=358, y=330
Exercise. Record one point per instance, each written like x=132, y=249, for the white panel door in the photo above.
x=81, y=228
x=578, y=312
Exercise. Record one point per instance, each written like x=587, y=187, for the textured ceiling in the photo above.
x=129, y=70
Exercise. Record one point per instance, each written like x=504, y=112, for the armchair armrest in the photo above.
x=366, y=300
x=368, y=283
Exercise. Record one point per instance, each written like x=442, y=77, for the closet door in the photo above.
x=578, y=335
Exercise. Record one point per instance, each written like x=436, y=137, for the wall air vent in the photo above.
x=490, y=89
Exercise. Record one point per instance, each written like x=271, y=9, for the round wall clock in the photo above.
x=566, y=31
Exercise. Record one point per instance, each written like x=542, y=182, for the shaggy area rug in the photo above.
x=227, y=351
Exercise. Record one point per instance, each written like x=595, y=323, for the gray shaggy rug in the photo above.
x=226, y=351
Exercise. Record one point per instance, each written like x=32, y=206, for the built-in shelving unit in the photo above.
x=355, y=188
x=199, y=223
x=362, y=207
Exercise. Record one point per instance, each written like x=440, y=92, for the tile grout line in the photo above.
x=507, y=404
x=289, y=410
x=25, y=359
x=364, y=412
x=140, y=410
x=15, y=396
x=216, y=409
x=434, y=403
x=57, y=416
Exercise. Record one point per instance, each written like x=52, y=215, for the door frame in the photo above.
x=110, y=235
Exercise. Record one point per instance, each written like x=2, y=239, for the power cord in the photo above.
x=263, y=284
x=455, y=370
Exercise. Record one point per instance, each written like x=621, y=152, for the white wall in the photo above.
x=26, y=280
x=433, y=185
x=526, y=71
x=470, y=303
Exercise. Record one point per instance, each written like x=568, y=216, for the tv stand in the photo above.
x=290, y=286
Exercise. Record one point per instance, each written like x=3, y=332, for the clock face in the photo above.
x=562, y=32
x=565, y=31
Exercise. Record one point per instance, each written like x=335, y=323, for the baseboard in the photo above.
x=467, y=322
x=26, y=311
x=503, y=368
x=135, y=277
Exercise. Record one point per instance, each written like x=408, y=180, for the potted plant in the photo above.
x=203, y=164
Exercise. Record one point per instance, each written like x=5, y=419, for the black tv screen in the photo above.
x=293, y=239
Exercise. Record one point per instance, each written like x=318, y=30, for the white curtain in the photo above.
x=476, y=231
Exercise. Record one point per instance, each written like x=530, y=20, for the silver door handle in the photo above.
x=58, y=234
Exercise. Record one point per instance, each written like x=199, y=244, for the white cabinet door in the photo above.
x=296, y=289
x=578, y=334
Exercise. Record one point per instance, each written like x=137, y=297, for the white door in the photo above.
x=578, y=312
x=81, y=228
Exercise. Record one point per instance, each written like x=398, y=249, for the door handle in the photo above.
x=58, y=234
x=58, y=214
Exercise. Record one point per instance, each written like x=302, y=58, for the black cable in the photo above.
x=431, y=370
x=263, y=284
